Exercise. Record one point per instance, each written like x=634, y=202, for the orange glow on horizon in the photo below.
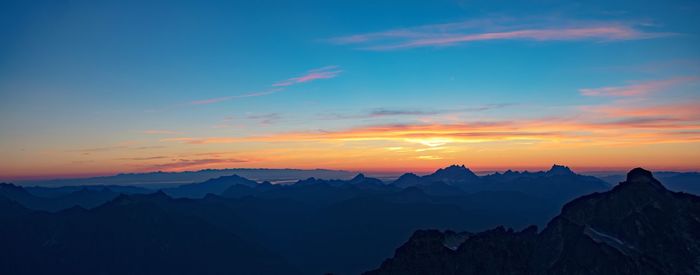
x=602, y=137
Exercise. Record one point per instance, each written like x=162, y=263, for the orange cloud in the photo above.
x=180, y=164
x=597, y=125
x=160, y=132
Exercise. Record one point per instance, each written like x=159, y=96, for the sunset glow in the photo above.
x=97, y=90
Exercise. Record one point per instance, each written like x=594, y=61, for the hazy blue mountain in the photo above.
x=638, y=227
x=452, y=175
x=158, y=180
x=688, y=182
x=212, y=186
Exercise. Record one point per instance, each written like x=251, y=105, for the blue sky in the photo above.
x=120, y=75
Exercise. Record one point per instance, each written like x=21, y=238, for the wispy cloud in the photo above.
x=315, y=74
x=311, y=75
x=390, y=112
x=118, y=147
x=144, y=158
x=160, y=132
x=179, y=164
x=269, y=118
x=602, y=125
x=428, y=157
x=450, y=34
x=99, y=149
x=688, y=110
x=637, y=89
x=226, y=98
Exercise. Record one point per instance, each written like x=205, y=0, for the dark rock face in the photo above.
x=639, y=227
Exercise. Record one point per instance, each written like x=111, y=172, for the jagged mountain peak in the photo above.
x=359, y=177
x=560, y=170
x=454, y=172
x=455, y=167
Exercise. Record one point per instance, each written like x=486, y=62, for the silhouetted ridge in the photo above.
x=638, y=227
x=213, y=186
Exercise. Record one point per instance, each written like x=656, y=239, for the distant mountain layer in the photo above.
x=170, y=179
x=638, y=227
x=559, y=184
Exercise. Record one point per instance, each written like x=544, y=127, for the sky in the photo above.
x=102, y=87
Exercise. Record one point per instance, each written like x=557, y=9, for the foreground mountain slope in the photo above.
x=129, y=235
x=639, y=227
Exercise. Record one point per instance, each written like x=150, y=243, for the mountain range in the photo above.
x=311, y=226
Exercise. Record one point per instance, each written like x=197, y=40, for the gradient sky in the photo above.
x=99, y=87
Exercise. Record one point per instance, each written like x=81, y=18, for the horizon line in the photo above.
x=377, y=173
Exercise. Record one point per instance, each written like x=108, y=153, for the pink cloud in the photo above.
x=641, y=88
x=608, y=33
x=178, y=164
x=440, y=35
x=311, y=75
x=226, y=98
x=677, y=111
x=315, y=74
